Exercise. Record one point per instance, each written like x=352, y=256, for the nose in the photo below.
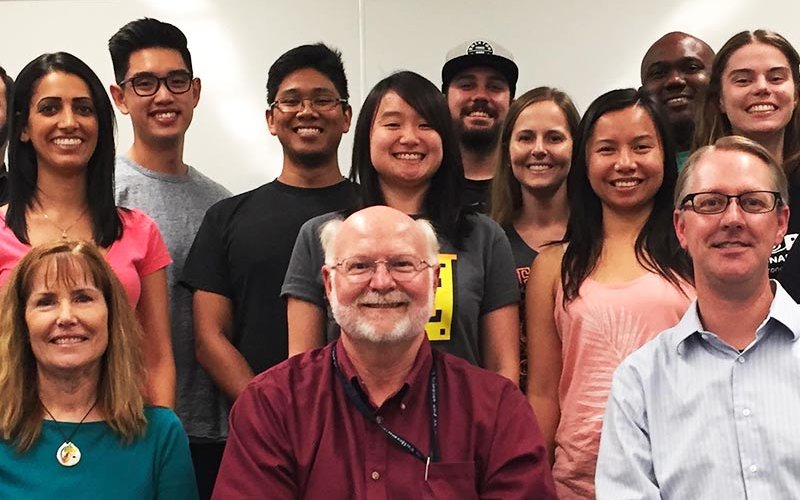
x=733, y=216
x=409, y=135
x=676, y=78
x=382, y=279
x=67, y=119
x=625, y=161
x=66, y=315
x=539, y=150
x=163, y=94
x=761, y=85
x=306, y=108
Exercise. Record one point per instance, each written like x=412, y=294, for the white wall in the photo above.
x=581, y=46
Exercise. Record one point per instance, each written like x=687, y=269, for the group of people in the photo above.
x=463, y=315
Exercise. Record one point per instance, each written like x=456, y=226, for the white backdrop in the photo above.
x=584, y=47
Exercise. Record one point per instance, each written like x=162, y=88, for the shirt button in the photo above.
x=379, y=419
x=741, y=359
x=754, y=468
x=746, y=412
x=375, y=475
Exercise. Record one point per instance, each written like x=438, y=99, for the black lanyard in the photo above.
x=403, y=443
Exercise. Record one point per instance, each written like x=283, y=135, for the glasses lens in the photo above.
x=324, y=103
x=757, y=202
x=145, y=85
x=358, y=266
x=179, y=82
x=709, y=203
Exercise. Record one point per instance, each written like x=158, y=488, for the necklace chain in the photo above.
x=64, y=230
x=58, y=424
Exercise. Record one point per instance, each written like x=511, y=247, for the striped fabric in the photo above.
x=690, y=417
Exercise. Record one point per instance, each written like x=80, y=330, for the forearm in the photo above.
x=306, y=325
x=160, y=378
x=548, y=414
x=500, y=339
x=225, y=365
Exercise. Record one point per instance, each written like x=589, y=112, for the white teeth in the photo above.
x=677, y=100
x=165, y=115
x=730, y=244
x=68, y=141
x=409, y=156
x=539, y=166
x=761, y=108
x=479, y=114
x=626, y=183
x=309, y=131
x=68, y=340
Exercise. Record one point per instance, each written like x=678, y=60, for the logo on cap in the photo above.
x=479, y=47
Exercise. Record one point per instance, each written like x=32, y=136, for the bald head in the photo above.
x=676, y=71
x=378, y=223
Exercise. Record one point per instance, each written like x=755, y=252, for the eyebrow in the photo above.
x=390, y=114
x=750, y=70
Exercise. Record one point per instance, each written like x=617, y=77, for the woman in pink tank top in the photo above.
x=618, y=280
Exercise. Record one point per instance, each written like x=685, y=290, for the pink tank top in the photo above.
x=598, y=330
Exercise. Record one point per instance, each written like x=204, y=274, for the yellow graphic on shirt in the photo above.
x=440, y=325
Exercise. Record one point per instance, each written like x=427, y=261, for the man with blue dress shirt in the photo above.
x=708, y=408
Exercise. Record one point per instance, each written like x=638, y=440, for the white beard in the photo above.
x=359, y=327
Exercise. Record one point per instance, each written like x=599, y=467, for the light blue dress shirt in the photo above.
x=690, y=417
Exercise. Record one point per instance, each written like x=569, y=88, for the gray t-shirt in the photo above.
x=178, y=203
x=472, y=282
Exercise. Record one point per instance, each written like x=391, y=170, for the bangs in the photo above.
x=63, y=268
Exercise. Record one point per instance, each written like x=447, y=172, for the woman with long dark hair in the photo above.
x=619, y=278
x=405, y=156
x=61, y=178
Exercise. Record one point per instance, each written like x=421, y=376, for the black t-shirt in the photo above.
x=523, y=257
x=3, y=184
x=784, y=263
x=242, y=250
x=476, y=194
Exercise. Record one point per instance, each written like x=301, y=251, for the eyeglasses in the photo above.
x=752, y=202
x=147, y=84
x=401, y=267
x=295, y=104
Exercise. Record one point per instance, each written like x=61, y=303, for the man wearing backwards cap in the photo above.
x=479, y=78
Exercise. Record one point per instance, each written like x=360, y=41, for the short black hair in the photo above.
x=9, y=82
x=317, y=56
x=141, y=34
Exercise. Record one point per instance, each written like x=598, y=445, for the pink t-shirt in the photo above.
x=598, y=330
x=139, y=252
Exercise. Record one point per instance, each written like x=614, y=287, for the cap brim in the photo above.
x=505, y=66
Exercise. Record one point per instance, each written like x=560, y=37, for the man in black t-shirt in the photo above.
x=238, y=260
x=479, y=78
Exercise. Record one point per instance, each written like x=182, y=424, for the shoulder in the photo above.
x=207, y=183
x=477, y=381
x=159, y=416
x=548, y=262
x=133, y=217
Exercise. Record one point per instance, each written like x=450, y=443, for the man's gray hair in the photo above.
x=329, y=230
x=732, y=143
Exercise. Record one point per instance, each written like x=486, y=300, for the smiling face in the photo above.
x=733, y=246
x=676, y=71
x=162, y=117
x=404, y=148
x=758, y=91
x=540, y=147
x=67, y=318
x=309, y=137
x=478, y=99
x=62, y=123
x=625, y=160
x=380, y=309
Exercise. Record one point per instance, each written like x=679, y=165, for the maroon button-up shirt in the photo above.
x=295, y=434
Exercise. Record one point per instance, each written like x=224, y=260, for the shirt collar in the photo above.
x=416, y=377
x=783, y=309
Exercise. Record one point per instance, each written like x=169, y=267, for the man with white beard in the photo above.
x=379, y=413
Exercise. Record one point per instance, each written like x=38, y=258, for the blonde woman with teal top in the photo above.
x=72, y=418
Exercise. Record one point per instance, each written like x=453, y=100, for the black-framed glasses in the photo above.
x=147, y=84
x=752, y=202
x=295, y=104
x=401, y=267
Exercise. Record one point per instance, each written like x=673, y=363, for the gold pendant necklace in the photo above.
x=63, y=230
x=68, y=454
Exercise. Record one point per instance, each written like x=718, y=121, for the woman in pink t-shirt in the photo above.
x=619, y=279
x=61, y=185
